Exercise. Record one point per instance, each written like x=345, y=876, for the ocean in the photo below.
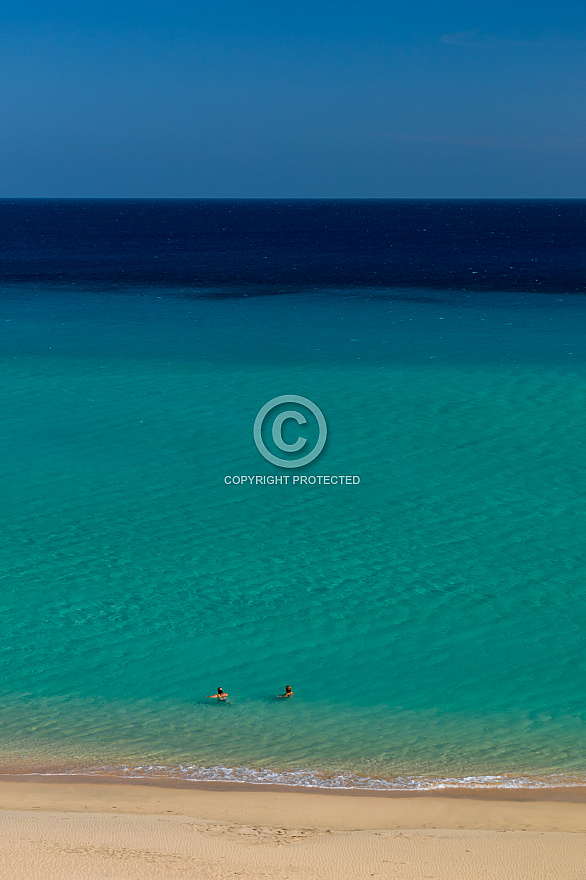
x=429, y=613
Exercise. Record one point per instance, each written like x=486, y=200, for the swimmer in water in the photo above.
x=288, y=692
x=219, y=696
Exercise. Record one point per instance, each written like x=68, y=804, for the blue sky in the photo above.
x=293, y=99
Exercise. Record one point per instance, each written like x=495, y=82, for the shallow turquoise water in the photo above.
x=431, y=619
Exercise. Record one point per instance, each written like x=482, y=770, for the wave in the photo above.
x=320, y=779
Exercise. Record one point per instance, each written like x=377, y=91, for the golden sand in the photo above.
x=53, y=828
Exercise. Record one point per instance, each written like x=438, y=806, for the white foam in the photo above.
x=319, y=779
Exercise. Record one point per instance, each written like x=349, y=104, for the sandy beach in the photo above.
x=133, y=830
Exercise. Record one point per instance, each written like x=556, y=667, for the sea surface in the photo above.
x=430, y=617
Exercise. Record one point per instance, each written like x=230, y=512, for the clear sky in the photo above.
x=293, y=98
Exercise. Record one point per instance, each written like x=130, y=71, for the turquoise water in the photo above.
x=431, y=619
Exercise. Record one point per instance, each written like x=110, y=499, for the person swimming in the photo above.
x=288, y=692
x=219, y=696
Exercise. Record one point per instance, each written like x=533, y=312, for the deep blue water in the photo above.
x=250, y=247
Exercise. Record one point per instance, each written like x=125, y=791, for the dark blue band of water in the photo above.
x=267, y=247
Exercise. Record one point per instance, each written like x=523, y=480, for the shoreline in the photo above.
x=553, y=794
